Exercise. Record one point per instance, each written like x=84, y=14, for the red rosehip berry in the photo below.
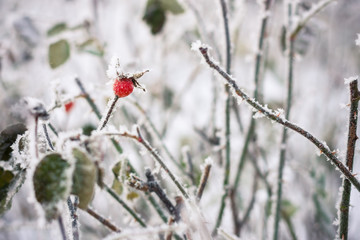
x=123, y=87
x=69, y=106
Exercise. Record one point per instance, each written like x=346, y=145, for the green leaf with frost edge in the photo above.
x=84, y=178
x=10, y=183
x=59, y=53
x=51, y=183
x=8, y=137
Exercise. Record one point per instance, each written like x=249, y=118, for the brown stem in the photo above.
x=203, y=181
x=103, y=220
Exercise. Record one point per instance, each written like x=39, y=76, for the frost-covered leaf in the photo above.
x=154, y=16
x=8, y=137
x=84, y=178
x=57, y=28
x=10, y=183
x=172, y=5
x=51, y=183
x=59, y=53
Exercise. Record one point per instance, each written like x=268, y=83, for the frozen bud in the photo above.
x=36, y=108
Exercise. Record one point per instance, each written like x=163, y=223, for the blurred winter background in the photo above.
x=180, y=102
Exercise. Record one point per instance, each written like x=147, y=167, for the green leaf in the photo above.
x=287, y=208
x=117, y=186
x=59, y=53
x=8, y=137
x=51, y=183
x=84, y=178
x=172, y=5
x=154, y=16
x=10, y=184
x=132, y=195
x=5, y=179
x=57, y=28
x=88, y=128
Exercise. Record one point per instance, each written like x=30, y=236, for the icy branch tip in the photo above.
x=350, y=79
x=198, y=45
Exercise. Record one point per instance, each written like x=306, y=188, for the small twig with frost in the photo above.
x=156, y=156
x=204, y=177
x=270, y=114
x=352, y=137
x=103, y=220
x=47, y=136
x=104, y=121
x=73, y=213
x=151, y=185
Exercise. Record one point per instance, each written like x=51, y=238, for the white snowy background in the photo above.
x=320, y=98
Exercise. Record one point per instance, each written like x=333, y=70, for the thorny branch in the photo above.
x=270, y=114
x=352, y=137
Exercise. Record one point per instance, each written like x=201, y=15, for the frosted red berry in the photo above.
x=69, y=106
x=123, y=87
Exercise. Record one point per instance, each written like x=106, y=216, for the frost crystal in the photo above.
x=114, y=70
x=350, y=79
x=357, y=41
x=258, y=114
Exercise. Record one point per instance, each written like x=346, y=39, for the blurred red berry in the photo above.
x=123, y=87
x=69, y=106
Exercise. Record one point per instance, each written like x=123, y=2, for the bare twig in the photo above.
x=103, y=220
x=227, y=119
x=291, y=42
x=203, y=181
x=270, y=114
x=352, y=137
x=73, y=208
x=88, y=99
x=47, y=136
x=104, y=121
x=62, y=228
